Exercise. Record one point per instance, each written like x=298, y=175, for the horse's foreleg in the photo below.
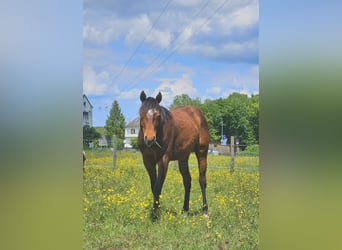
x=162, y=171
x=184, y=169
x=152, y=172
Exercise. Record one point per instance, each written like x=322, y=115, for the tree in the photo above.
x=184, y=100
x=90, y=134
x=237, y=115
x=254, y=116
x=213, y=110
x=115, y=123
x=241, y=115
x=134, y=143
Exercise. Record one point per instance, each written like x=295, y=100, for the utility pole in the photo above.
x=232, y=162
x=221, y=131
x=114, y=151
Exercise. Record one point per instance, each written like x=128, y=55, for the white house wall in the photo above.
x=87, y=109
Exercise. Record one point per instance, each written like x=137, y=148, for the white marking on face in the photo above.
x=151, y=112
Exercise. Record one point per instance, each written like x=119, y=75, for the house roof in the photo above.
x=84, y=96
x=134, y=123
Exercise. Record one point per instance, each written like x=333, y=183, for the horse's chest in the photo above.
x=152, y=154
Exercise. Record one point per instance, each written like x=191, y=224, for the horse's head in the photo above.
x=150, y=118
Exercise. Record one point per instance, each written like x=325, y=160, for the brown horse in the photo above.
x=165, y=136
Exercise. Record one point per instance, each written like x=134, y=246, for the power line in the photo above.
x=181, y=44
x=141, y=43
x=174, y=39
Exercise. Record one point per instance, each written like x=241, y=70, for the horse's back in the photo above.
x=189, y=114
x=191, y=126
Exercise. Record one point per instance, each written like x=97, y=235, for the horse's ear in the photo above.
x=142, y=96
x=159, y=97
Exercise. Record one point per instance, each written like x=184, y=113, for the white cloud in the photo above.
x=138, y=28
x=246, y=16
x=95, y=83
x=214, y=90
x=209, y=34
x=203, y=64
x=172, y=87
x=131, y=94
x=184, y=36
x=162, y=39
x=104, y=30
x=134, y=30
x=141, y=27
x=229, y=35
x=188, y=3
x=224, y=82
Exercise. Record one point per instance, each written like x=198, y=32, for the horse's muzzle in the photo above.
x=149, y=143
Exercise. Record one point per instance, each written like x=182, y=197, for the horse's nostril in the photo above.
x=150, y=141
x=150, y=138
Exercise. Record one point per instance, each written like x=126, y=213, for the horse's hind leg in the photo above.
x=202, y=166
x=184, y=169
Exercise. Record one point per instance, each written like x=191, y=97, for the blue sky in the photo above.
x=204, y=48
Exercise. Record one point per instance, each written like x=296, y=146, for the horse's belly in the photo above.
x=182, y=151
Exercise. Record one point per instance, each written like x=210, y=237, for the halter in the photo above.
x=158, y=144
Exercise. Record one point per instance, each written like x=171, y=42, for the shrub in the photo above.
x=252, y=150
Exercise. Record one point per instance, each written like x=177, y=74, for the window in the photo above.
x=84, y=104
x=132, y=131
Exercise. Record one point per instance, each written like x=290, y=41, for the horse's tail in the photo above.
x=204, y=132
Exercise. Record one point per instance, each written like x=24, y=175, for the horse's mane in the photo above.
x=165, y=114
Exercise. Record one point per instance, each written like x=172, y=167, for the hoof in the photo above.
x=155, y=215
x=205, y=216
x=185, y=214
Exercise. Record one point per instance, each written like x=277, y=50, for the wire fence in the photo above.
x=214, y=148
x=109, y=158
x=233, y=151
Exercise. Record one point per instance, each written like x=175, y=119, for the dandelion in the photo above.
x=208, y=224
x=218, y=235
x=117, y=202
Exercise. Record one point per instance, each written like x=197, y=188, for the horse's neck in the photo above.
x=165, y=131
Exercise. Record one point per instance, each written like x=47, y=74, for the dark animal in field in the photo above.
x=84, y=158
x=168, y=135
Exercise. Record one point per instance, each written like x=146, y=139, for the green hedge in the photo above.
x=252, y=150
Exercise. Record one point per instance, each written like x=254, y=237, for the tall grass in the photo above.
x=117, y=205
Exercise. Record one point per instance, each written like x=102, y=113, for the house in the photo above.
x=131, y=131
x=87, y=112
x=104, y=141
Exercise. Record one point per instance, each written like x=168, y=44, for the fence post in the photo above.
x=232, y=151
x=114, y=151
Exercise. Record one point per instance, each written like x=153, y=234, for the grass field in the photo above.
x=117, y=205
